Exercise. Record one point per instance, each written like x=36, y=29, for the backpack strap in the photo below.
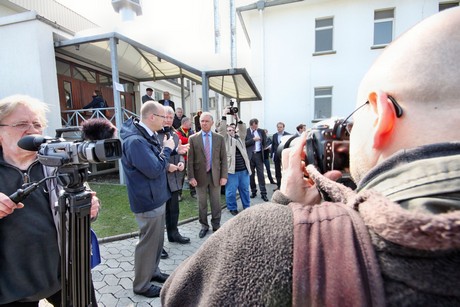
x=334, y=262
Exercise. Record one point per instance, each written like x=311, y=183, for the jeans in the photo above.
x=240, y=181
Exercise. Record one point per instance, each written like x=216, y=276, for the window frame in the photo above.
x=381, y=21
x=322, y=96
x=322, y=29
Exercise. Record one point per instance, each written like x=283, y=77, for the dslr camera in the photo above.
x=327, y=147
x=232, y=110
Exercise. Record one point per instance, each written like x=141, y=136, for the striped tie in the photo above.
x=207, y=152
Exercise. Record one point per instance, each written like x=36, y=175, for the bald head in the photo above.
x=421, y=71
x=422, y=65
x=150, y=107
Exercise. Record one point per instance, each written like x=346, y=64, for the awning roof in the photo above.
x=142, y=63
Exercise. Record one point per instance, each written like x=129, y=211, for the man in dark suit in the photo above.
x=207, y=171
x=148, y=95
x=276, y=158
x=256, y=140
x=166, y=100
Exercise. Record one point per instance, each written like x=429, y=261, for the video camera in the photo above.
x=58, y=152
x=327, y=148
x=232, y=110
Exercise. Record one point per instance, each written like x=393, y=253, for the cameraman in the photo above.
x=395, y=240
x=239, y=168
x=29, y=230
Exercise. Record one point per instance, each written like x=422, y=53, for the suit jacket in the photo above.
x=275, y=145
x=171, y=103
x=146, y=98
x=197, y=160
x=251, y=144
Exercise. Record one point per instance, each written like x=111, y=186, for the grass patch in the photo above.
x=115, y=216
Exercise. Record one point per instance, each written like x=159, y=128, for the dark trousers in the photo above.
x=267, y=168
x=257, y=166
x=172, y=214
x=278, y=172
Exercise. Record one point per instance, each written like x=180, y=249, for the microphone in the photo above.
x=97, y=129
x=167, y=131
x=33, y=142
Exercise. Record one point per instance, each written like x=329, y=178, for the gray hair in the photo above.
x=10, y=103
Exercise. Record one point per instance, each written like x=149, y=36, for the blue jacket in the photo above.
x=144, y=163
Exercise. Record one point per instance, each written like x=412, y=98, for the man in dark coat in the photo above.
x=276, y=140
x=256, y=141
x=166, y=100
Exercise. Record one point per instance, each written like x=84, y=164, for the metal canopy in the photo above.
x=142, y=63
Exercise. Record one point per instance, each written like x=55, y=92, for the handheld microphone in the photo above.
x=32, y=142
x=167, y=131
x=97, y=129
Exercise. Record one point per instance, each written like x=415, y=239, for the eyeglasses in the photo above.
x=349, y=124
x=162, y=116
x=24, y=126
x=230, y=130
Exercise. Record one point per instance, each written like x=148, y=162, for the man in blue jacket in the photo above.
x=144, y=163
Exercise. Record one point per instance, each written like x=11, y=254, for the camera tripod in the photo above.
x=74, y=206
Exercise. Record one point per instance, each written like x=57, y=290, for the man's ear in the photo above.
x=385, y=118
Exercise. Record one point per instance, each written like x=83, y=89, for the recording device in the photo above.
x=232, y=110
x=71, y=159
x=327, y=148
x=57, y=152
x=167, y=131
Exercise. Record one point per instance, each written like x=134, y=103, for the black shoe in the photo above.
x=178, y=238
x=193, y=195
x=202, y=233
x=153, y=291
x=160, y=278
x=164, y=254
x=215, y=229
x=276, y=189
x=253, y=195
x=233, y=212
x=264, y=197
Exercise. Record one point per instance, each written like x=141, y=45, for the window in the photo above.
x=212, y=103
x=447, y=5
x=383, y=27
x=84, y=74
x=323, y=102
x=323, y=34
x=158, y=95
x=63, y=68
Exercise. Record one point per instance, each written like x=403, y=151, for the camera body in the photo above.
x=232, y=110
x=328, y=144
x=327, y=147
x=59, y=152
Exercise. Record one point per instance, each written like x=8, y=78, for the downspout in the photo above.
x=232, y=34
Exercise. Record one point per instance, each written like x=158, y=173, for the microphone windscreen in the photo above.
x=32, y=142
x=97, y=129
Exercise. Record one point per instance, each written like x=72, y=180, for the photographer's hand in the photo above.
x=294, y=184
x=7, y=206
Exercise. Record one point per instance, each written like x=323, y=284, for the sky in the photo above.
x=183, y=29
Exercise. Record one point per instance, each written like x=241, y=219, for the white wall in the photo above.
x=285, y=70
x=28, y=64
